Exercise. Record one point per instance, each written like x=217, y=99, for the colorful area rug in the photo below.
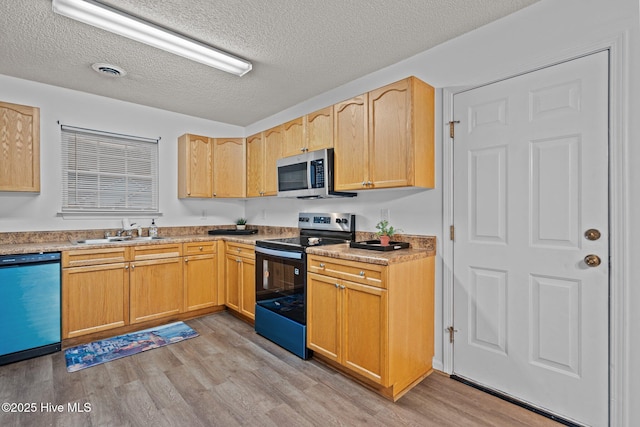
x=97, y=352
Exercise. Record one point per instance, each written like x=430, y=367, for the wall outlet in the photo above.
x=384, y=215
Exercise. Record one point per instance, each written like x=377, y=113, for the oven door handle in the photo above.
x=275, y=252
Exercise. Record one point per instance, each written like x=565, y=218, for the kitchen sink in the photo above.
x=117, y=239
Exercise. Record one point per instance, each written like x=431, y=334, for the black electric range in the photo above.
x=281, y=277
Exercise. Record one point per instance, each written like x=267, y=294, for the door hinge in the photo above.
x=452, y=131
x=452, y=232
x=451, y=333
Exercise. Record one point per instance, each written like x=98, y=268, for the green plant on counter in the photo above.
x=384, y=229
x=241, y=221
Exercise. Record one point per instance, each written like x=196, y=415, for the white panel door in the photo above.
x=530, y=178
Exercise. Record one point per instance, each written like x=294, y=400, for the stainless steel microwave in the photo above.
x=308, y=176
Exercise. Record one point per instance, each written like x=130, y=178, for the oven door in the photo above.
x=281, y=282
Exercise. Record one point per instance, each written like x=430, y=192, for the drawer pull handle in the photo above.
x=362, y=274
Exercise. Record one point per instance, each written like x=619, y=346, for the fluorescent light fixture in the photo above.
x=110, y=19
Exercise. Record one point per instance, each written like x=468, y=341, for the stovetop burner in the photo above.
x=316, y=230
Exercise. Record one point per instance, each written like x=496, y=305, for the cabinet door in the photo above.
x=391, y=155
x=293, y=137
x=255, y=165
x=272, y=152
x=195, y=166
x=94, y=299
x=19, y=148
x=351, y=160
x=229, y=172
x=324, y=316
x=157, y=289
x=200, y=282
x=319, y=129
x=232, y=282
x=248, y=287
x=365, y=331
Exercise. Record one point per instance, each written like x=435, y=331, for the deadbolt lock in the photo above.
x=592, y=234
x=592, y=260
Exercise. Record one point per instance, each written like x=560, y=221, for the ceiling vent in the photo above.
x=108, y=70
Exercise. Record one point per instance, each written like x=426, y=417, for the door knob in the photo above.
x=592, y=260
x=592, y=234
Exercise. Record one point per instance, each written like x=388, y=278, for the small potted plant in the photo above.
x=385, y=232
x=241, y=223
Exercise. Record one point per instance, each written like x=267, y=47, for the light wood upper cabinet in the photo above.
x=255, y=165
x=319, y=129
x=401, y=135
x=272, y=152
x=351, y=143
x=397, y=148
x=263, y=151
x=195, y=166
x=293, y=138
x=229, y=168
x=19, y=148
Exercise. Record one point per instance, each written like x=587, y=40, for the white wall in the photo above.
x=31, y=212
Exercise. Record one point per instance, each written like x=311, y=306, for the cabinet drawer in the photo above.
x=199, y=248
x=84, y=257
x=367, y=274
x=140, y=253
x=241, y=249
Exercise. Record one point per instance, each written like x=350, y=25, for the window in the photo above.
x=108, y=173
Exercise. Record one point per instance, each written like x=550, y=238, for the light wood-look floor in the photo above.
x=229, y=376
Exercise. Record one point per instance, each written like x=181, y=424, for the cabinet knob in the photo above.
x=126, y=267
x=364, y=183
x=302, y=149
x=215, y=194
x=369, y=183
x=186, y=260
x=133, y=266
x=337, y=286
x=238, y=260
x=322, y=265
x=361, y=273
x=239, y=250
x=342, y=286
x=200, y=248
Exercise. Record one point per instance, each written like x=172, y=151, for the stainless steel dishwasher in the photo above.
x=29, y=306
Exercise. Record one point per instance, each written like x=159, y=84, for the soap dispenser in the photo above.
x=153, y=229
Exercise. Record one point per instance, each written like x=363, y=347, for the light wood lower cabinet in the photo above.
x=201, y=276
x=95, y=298
x=107, y=288
x=95, y=290
x=374, y=322
x=240, y=287
x=156, y=289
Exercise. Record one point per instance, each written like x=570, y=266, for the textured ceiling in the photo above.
x=299, y=48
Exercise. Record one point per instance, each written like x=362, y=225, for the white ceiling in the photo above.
x=299, y=48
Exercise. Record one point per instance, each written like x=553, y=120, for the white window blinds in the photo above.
x=108, y=173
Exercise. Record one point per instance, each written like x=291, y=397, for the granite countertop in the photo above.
x=343, y=251
x=70, y=245
x=27, y=243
